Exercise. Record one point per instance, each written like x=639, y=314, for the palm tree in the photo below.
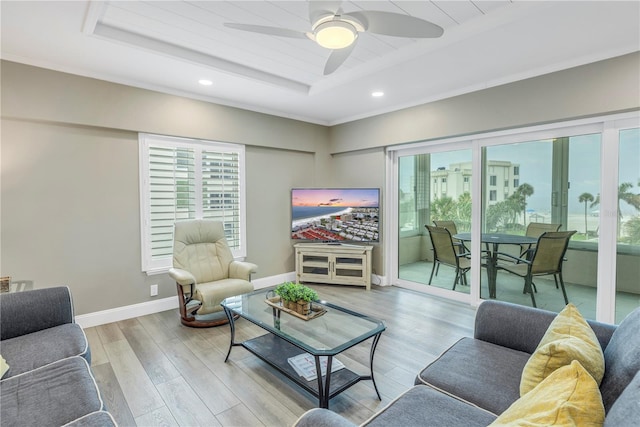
x=497, y=215
x=632, y=227
x=585, y=198
x=625, y=195
x=464, y=210
x=443, y=208
x=524, y=190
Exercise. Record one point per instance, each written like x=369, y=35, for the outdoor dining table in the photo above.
x=492, y=243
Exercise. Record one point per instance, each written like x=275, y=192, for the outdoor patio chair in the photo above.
x=536, y=229
x=447, y=253
x=547, y=259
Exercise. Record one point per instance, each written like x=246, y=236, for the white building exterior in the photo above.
x=502, y=180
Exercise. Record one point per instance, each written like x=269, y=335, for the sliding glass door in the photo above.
x=582, y=176
x=434, y=187
x=627, y=295
x=547, y=184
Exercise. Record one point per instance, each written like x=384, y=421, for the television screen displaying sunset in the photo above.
x=335, y=214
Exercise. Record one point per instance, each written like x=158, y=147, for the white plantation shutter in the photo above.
x=184, y=179
x=220, y=192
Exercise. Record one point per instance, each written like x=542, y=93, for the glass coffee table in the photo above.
x=324, y=336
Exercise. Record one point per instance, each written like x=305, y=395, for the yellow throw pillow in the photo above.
x=567, y=397
x=3, y=367
x=569, y=337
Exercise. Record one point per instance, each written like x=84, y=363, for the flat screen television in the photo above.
x=335, y=215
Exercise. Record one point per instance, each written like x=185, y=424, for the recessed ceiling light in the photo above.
x=377, y=94
x=205, y=82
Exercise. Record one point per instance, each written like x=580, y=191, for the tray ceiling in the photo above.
x=169, y=45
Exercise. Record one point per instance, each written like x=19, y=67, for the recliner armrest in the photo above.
x=242, y=270
x=26, y=312
x=182, y=277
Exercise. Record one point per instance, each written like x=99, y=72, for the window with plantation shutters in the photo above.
x=186, y=179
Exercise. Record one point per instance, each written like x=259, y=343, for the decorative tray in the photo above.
x=316, y=311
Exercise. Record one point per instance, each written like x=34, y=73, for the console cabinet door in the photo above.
x=349, y=269
x=335, y=264
x=315, y=266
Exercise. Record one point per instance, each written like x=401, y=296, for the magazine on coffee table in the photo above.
x=305, y=365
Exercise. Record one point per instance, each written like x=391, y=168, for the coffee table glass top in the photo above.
x=329, y=334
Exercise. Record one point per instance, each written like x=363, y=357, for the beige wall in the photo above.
x=268, y=205
x=364, y=168
x=38, y=94
x=70, y=198
x=69, y=178
x=595, y=89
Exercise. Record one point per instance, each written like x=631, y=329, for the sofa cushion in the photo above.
x=40, y=348
x=54, y=394
x=4, y=367
x=319, y=417
x=569, y=396
x=626, y=409
x=481, y=373
x=424, y=406
x=622, y=358
x=94, y=419
x=22, y=313
x=569, y=337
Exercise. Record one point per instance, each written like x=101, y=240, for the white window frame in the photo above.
x=158, y=265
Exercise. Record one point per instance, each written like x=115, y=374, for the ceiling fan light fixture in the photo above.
x=335, y=34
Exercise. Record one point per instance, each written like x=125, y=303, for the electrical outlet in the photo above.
x=154, y=290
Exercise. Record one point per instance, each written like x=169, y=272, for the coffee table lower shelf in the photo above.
x=275, y=351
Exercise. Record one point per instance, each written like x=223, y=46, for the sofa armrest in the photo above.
x=520, y=327
x=318, y=417
x=26, y=312
x=242, y=270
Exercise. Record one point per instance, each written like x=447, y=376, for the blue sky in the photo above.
x=534, y=159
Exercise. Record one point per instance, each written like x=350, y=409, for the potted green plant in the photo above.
x=286, y=292
x=295, y=296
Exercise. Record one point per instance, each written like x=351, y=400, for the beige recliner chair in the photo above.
x=205, y=272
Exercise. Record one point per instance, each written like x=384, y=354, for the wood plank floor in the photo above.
x=152, y=371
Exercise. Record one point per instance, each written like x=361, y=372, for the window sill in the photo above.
x=156, y=271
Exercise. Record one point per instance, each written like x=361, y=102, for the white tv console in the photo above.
x=342, y=264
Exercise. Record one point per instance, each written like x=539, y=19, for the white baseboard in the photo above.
x=126, y=312
x=379, y=280
x=142, y=309
x=266, y=282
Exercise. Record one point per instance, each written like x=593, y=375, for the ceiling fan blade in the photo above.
x=396, y=24
x=318, y=9
x=272, y=31
x=337, y=58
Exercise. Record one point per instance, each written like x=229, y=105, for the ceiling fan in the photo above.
x=338, y=31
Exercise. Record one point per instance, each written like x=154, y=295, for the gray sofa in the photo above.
x=478, y=378
x=49, y=381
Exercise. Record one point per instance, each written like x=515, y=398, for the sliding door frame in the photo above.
x=608, y=126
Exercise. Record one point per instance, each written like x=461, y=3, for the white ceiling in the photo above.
x=169, y=45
